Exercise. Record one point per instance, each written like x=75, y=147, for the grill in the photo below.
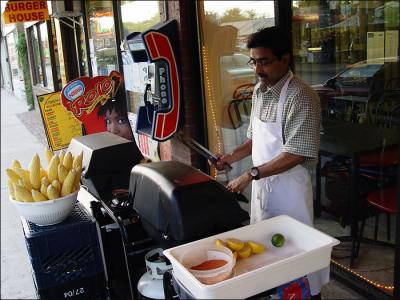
x=140, y=207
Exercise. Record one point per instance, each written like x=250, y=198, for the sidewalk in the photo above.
x=16, y=143
x=22, y=135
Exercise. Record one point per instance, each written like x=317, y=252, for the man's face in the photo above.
x=267, y=66
x=118, y=125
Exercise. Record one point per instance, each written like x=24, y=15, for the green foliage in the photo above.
x=130, y=27
x=23, y=61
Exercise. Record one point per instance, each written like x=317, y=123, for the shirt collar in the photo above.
x=277, y=87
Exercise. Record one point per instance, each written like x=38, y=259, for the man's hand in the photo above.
x=240, y=183
x=223, y=161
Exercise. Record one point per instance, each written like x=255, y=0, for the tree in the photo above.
x=233, y=15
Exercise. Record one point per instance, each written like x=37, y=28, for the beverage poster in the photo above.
x=60, y=125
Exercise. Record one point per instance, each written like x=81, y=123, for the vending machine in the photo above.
x=157, y=49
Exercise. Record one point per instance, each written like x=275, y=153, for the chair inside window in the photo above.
x=381, y=201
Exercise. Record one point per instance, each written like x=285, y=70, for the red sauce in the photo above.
x=210, y=264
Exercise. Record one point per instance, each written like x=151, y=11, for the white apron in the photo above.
x=288, y=193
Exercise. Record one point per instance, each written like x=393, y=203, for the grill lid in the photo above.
x=180, y=203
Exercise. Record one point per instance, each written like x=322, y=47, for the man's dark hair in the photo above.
x=273, y=38
x=118, y=103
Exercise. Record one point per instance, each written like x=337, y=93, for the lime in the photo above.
x=278, y=240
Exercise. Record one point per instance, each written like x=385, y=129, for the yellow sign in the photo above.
x=60, y=124
x=25, y=11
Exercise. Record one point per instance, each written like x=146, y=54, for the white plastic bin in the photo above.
x=305, y=250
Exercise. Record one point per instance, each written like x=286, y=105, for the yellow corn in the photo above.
x=78, y=160
x=62, y=173
x=61, y=156
x=22, y=194
x=38, y=196
x=11, y=188
x=24, y=174
x=34, y=171
x=44, y=181
x=52, y=192
x=77, y=180
x=49, y=154
x=52, y=171
x=56, y=184
x=67, y=162
x=16, y=164
x=43, y=189
x=12, y=175
x=68, y=184
x=43, y=173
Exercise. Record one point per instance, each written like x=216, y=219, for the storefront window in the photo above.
x=13, y=56
x=41, y=60
x=138, y=16
x=46, y=55
x=224, y=27
x=348, y=52
x=37, y=65
x=102, y=37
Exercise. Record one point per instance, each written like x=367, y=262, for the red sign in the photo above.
x=84, y=95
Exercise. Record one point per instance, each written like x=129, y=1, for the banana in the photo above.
x=22, y=194
x=52, y=171
x=38, y=196
x=48, y=153
x=68, y=184
x=12, y=175
x=16, y=164
x=11, y=188
x=52, y=193
x=67, y=162
x=62, y=173
x=34, y=171
x=78, y=160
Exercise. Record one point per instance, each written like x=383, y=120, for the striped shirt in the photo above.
x=301, y=116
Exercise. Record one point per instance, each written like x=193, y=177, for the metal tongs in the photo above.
x=203, y=151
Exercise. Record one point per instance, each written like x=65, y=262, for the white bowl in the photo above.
x=201, y=254
x=47, y=212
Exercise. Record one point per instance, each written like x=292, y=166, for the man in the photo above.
x=283, y=139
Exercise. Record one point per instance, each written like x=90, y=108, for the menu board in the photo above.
x=60, y=124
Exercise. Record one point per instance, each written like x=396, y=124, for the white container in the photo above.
x=194, y=257
x=306, y=250
x=47, y=212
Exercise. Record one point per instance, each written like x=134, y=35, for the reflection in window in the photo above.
x=102, y=37
x=225, y=27
x=139, y=15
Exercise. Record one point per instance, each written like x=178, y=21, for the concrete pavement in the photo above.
x=16, y=143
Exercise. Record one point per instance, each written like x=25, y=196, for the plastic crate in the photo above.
x=66, y=255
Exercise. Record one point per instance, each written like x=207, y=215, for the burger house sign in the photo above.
x=25, y=11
